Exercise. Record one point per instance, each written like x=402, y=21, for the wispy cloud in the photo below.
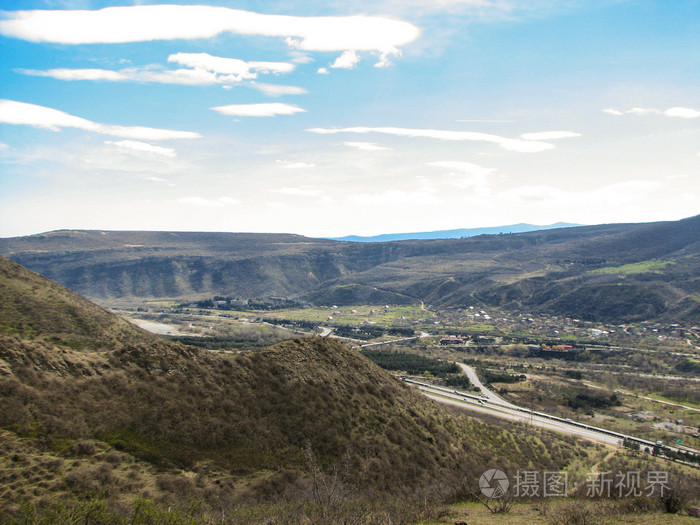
x=188, y=77
x=275, y=90
x=232, y=67
x=674, y=112
x=366, y=146
x=304, y=191
x=168, y=22
x=524, y=146
x=389, y=197
x=550, y=135
x=483, y=120
x=21, y=113
x=204, y=69
x=466, y=175
x=78, y=74
x=270, y=109
x=208, y=203
x=143, y=147
x=612, y=194
x=296, y=165
x=463, y=167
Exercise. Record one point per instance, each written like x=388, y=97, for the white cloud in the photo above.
x=612, y=111
x=674, y=112
x=274, y=90
x=208, y=203
x=464, y=167
x=366, y=146
x=466, y=175
x=322, y=71
x=143, y=147
x=156, y=179
x=168, y=22
x=77, y=74
x=524, y=146
x=3, y=146
x=228, y=201
x=204, y=69
x=190, y=77
x=680, y=112
x=384, y=59
x=304, y=191
x=643, y=111
x=12, y=112
x=348, y=60
x=297, y=165
x=142, y=133
x=611, y=195
x=259, y=110
x=539, y=193
x=550, y=135
x=394, y=197
x=299, y=57
x=232, y=68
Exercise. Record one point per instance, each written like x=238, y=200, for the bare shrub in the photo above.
x=175, y=484
x=83, y=448
x=573, y=513
x=677, y=494
x=115, y=458
x=90, y=481
x=639, y=505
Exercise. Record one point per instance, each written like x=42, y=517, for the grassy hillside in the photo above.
x=33, y=307
x=622, y=272
x=107, y=414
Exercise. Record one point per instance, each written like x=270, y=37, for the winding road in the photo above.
x=474, y=380
x=490, y=403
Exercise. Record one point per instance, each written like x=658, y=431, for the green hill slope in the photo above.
x=32, y=306
x=265, y=424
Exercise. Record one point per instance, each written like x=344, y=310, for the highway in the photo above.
x=490, y=395
x=394, y=341
x=485, y=405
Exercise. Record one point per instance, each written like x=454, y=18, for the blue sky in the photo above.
x=333, y=118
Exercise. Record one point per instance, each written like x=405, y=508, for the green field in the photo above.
x=652, y=266
x=381, y=315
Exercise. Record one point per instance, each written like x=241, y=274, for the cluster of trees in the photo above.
x=411, y=363
x=490, y=376
x=459, y=381
x=689, y=366
x=234, y=303
x=304, y=325
x=587, y=401
x=366, y=332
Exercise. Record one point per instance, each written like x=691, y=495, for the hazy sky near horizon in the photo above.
x=329, y=118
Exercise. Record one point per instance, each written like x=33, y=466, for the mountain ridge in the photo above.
x=454, y=233
x=555, y=271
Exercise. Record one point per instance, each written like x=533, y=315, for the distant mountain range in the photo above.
x=455, y=234
x=611, y=273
